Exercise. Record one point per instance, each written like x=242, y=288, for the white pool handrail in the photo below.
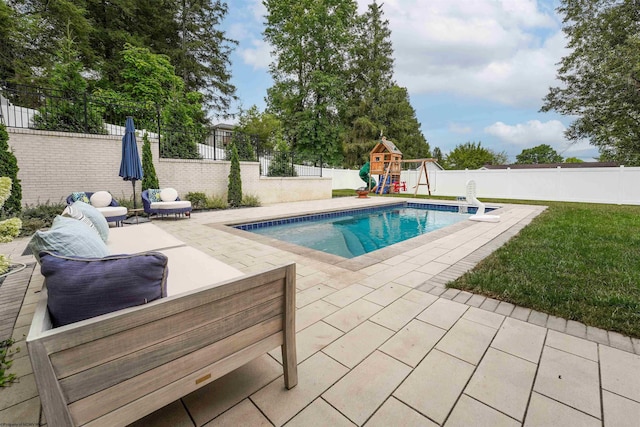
x=473, y=200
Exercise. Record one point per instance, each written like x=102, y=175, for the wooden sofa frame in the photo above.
x=116, y=368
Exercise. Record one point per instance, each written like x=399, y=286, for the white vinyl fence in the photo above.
x=618, y=185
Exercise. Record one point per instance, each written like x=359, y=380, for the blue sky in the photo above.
x=476, y=70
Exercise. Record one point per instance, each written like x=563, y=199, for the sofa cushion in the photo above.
x=178, y=204
x=96, y=217
x=111, y=211
x=168, y=195
x=154, y=195
x=80, y=196
x=72, y=211
x=70, y=237
x=80, y=288
x=101, y=199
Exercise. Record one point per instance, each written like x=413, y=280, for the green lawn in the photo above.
x=578, y=261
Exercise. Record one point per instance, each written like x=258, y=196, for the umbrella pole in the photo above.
x=133, y=184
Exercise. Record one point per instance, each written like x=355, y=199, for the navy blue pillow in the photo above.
x=81, y=288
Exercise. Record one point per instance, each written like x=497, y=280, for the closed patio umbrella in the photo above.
x=130, y=166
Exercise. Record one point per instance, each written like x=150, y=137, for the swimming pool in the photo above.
x=356, y=232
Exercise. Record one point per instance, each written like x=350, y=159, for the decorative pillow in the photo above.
x=80, y=288
x=168, y=195
x=101, y=199
x=154, y=195
x=96, y=217
x=70, y=237
x=80, y=196
x=72, y=211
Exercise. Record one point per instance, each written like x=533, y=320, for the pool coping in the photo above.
x=362, y=261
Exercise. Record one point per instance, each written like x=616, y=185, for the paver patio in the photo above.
x=381, y=341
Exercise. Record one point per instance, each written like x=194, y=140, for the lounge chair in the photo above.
x=168, y=203
x=112, y=210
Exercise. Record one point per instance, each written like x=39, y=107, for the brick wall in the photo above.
x=54, y=164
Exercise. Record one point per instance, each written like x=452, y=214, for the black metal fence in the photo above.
x=30, y=107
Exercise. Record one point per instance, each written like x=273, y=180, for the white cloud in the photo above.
x=259, y=56
x=499, y=50
x=529, y=134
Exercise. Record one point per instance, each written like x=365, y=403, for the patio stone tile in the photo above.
x=423, y=298
x=476, y=300
x=387, y=293
x=213, y=399
x=433, y=268
x=310, y=314
x=619, y=411
x=359, y=393
x=319, y=414
x=467, y=340
x=503, y=382
x=636, y=345
x=20, y=391
x=576, y=329
x=356, y=345
x=443, y=313
x=569, y=379
x=372, y=270
x=436, y=289
x=413, y=342
x=470, y=412
x=490, y=304
x=547, y=412
x=521, y=313
x=312, y=294
x=450, y=294
x=244, y=413
x=463, y=297
x=505, y=308
x=573, y=345
x=397, y=314
x=174, y=414
x=538, y=318
x=347, y=295
x=352, y=315
x=435, y=385
x=620, y=372
x=24, y=413
x=483, y=317
x=315, y=375
x=396, y=413
x=413, y=279
x=557, y=323
x=311, y=340
x=314, y=279
x=398, y=259
x=598, y=335
x=520, y=339
x=619, y=341
x=388, y=275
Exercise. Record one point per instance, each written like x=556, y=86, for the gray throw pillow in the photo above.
x=68, y=236
x=96, y=217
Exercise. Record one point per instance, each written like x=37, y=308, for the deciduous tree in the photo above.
x=601, y=76
x=471, y=155
x=542, y=153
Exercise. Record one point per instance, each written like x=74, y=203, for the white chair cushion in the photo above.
x=177, y=204
x=168, y=195
x=111, y=211
x=101, y=199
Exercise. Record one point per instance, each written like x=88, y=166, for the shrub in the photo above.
x=9, y=168
x=40, y=216
x=217, y=202
x=234, y=196
x=281, y=165
x=250, y=200
x=5, y=362
x=149, y=179
x=9, y=228
x=198, y=200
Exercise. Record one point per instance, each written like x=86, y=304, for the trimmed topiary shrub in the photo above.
x=9, y=168
x=234, y=196
x=149, y=179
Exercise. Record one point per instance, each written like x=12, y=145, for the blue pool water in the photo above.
x=353, y=233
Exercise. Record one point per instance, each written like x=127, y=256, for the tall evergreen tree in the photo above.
x=310, y=39
x=234, y=195
x=9, y=168
x=149, y=177
x=601, y=76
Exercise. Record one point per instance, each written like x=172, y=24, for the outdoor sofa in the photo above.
x=117, y=367
x=103, y=202
x=164, y=202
